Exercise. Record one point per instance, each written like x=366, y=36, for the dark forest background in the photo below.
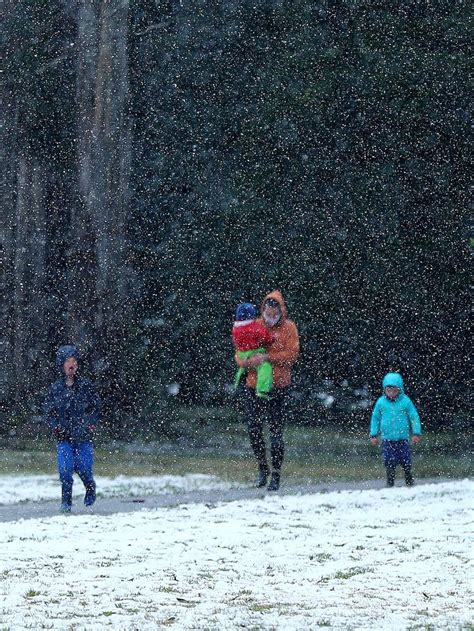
x=162, y=160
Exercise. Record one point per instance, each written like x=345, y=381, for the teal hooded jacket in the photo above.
x=397, y=419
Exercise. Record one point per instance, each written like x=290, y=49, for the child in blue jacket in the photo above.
x=395, y=419
x=72, y=411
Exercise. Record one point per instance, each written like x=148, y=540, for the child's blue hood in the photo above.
x=393, y=379
x=65, y=352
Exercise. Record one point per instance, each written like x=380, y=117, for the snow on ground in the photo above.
x=23, y=488
x=389, y=559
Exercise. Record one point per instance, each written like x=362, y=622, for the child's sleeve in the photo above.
x=375, y=420
x=414, y=417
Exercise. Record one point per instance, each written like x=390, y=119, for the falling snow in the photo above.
x=163, y=161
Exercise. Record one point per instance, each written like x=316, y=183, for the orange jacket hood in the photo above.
x=276, y=295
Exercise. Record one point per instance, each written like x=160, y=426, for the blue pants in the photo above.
x=75, y=458
x=396, y=452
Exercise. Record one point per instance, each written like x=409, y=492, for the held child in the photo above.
x=395, y=419
x=251, y=337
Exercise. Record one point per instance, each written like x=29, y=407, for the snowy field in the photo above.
x=391, y=559
x=24, y=488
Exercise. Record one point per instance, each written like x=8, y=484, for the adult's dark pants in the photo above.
x=273, y=411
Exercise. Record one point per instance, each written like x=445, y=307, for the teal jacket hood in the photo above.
x=393, y=379
x=396, y=419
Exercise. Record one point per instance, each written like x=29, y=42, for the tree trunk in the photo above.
x=7, y=247
x=29, y=332
x=98, y=309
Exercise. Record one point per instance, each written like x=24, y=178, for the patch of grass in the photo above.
x=261, y=607
x=222, y=449
x=243, y=593
x=426, y=627
x=167, y=589
x=321, y=557
x=32, y=593
x=458, y=556
x=106, y=563
x=354, y=571
x=374, y=527
x=30, y=461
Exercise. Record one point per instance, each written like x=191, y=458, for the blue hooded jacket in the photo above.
x=75, y=409
x=65, y=352
x=397, y=419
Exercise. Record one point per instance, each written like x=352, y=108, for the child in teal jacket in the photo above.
x=395, y=419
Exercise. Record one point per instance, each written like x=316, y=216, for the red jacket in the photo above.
x=250, y=335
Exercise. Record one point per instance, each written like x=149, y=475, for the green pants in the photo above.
x=264, y=373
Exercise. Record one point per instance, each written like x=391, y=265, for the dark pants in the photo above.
x=257, y=411
x=397, y=452
x=74, y=457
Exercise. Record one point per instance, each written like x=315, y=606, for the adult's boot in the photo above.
x=263, y=472
x=275, y=481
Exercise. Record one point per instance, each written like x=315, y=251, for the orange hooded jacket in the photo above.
x=285, y=348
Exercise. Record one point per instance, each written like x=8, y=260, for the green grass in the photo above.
x=261, y=607
x=321, y=557
x=355, y=571
x=222, y=449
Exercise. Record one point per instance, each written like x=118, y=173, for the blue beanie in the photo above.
x=245, y=311
x=65, y=352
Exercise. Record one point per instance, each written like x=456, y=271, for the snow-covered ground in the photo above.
x=391, y=559
x=24, y=488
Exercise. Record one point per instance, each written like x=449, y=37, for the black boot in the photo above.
x=262, y=476
x=390, y=476
x=89, y=497
x=409, y=481
x=275, y=481
x=66, y=498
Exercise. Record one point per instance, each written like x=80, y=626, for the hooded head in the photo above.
x=273, y=308
x=64, y=353
x=245, y=311
x=393, y=379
